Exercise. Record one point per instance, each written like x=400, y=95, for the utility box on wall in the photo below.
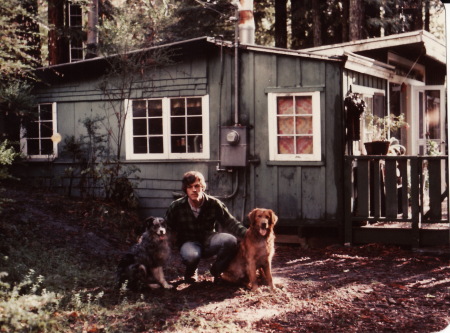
x=233, y=146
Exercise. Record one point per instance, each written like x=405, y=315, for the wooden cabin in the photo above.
x=266, y=126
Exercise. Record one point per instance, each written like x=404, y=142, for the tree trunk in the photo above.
x=345, y=25
x=355, y=20
x=417, y=15
x=317, y=25
x=427, y=15
x=281, y=23
x=58, y=45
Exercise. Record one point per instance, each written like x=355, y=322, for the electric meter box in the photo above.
x=233, y=146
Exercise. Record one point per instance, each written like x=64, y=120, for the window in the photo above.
x=167, y=128
x=37, y=135
x=375, y=105
x=294, y=127
x=76, y=32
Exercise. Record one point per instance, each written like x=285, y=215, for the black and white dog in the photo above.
x=143, y=264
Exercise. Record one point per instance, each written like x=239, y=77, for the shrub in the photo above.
x=26, y=307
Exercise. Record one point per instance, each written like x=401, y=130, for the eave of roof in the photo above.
x=276, y=50
x=102, y=58
x=210, y=40
x=434, y=48
x=369, y=66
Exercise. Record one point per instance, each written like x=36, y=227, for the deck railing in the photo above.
x=410, y=189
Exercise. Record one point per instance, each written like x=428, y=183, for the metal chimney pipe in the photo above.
x=246, y=22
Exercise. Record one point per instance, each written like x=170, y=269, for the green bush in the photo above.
x=7, y=156
x=26, y=307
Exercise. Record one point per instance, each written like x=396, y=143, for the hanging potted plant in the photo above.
x=380, y=128
x=354, y=107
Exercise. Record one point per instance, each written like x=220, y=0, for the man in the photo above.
x=194, y=219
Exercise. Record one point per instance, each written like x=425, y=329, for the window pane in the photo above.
x=139, y=109
x=155, y=108
x=155, y=126
x=286, y=145
x=177, y=107
x=304, y=145
x=45, y=112
x=194, y=106
x=303, y=105
x=33, y=130
x=195, y=144
x=139, y=127
x=140, y=145
x=285, y=105
x=156, y=145
x=46, y=130
x=285, y=125
x=433, y=114
x=32, y=147
x=76, y=54
x=194, y=125
x=47, y=147
x=304, y=125
x=178, y=144
x=178, y=125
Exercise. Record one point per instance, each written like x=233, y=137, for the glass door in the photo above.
x=428, y=120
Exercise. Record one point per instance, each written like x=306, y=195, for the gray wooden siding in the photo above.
x=300, y=193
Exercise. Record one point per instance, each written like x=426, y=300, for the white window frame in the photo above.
x=167, y=154
x=79, y=27
x=366, y=93
x=24, y=139
x=273, y=128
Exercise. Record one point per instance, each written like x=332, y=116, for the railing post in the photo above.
x=416, y=190
x=348, y=198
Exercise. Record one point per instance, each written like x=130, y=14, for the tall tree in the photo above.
x=19, y=35
x=281, y=23
x=316, y=23
x=196, y=18
x=356, y=13
x=57, y=38
x=301, y=24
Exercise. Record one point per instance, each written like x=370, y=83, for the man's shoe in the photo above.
x=190, y=276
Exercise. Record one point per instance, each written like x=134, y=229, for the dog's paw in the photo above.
x=254, y=288
x=154, y=286
x=167, y=286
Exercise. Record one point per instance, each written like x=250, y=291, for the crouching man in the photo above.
x=193, y=220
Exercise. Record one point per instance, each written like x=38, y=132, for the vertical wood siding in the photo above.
x=300, y=193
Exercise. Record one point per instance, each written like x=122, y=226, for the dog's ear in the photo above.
x=251, y=215
x=274, y=218
x=149, y=221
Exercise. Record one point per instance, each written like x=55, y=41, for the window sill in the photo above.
x=170, y=161
x=295, y=163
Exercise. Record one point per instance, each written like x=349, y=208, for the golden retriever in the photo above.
x=255, y=251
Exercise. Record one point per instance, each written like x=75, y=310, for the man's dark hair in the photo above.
x=191, y=177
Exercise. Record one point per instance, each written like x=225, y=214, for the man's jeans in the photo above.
x=221, y=244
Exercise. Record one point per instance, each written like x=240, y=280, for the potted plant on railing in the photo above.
x=380, y=128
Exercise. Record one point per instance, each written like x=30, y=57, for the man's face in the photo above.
x=195, y=192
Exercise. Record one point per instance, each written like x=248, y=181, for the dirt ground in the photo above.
x=370, y=288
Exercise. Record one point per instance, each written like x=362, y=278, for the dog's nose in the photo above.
x=264, y=225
